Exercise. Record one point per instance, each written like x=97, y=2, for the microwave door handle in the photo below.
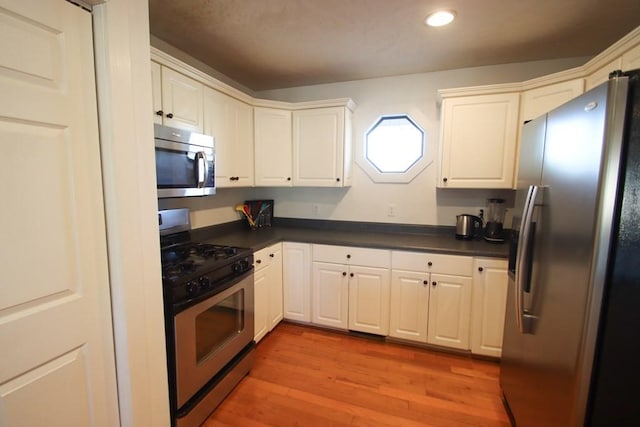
x=524, y=320
x=201, y=168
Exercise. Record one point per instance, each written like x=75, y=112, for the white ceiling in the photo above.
x=268, y=44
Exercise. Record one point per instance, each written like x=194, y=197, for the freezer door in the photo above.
x=564, y=243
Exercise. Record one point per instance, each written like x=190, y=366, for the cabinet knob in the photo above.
x=444, y=179
x=425, y=282
x=271, y=255
x=429, y=263
x=170, y=116
x=337, y=179
x=351, y=274
x=159, y=113
x=344, y=273
x=348, y=256
x=258, y=261
x=480, y=269
x=433, y=283
x=234, y=178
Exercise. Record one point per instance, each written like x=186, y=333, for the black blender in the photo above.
x=494, y=218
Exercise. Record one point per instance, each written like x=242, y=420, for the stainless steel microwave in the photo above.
x=185, y=162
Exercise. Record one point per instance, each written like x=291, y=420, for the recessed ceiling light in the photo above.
x=440, y=18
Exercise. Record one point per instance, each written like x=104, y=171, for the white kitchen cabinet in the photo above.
x=431, y=298
x=267, y=289
x=538, y=101
x=631, y=59
x=296, y=281
x=478, y=141
x=602, y=74
x=230, y=121
x=322, y=147
x=449, y=311
x=351, y=288
x=177, y=99
x=490, y=282
x=273, y=147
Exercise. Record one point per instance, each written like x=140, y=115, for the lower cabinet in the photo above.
x=268, y=309
x=490, y=282
x=296, y=281
x=431, y=298
x=351, y=288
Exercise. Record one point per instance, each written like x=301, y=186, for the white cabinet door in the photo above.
x=261, y=303
x=449, y=311
x=478, y=141
x=230, y=122
x=273, y=151
x=318, y=147
x=409, y=305
x=296, y=271
x=275, y=285
x=369, y=299
x=182, y=101
x=267, y=289
x=330, y=295
x=489, y=301
x=156, y=92
x=57, y=362
x=536, y=102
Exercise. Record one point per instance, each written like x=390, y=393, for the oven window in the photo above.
x=219, y=325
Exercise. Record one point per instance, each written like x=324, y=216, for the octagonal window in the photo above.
x=394, y=144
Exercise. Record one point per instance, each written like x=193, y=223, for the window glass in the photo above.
x=394, y=144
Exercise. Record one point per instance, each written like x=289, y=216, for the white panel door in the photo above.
x=330, y=295
x=318, y=138
x=449, y=311
x=272, y=130
x=56, y=342
x=369, y=300
x=182, y=101
x=275, y=285
x=409, y=305
x=261, y=303
x=296, y=272
x=156, y=92
x=489, y=300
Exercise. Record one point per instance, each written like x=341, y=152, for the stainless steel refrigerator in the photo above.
x=571, y=350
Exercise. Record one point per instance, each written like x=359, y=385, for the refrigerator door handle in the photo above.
x=523, y=319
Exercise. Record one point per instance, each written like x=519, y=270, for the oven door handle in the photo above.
x=201, y=168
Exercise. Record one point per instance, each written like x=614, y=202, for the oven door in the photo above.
x=209, y=334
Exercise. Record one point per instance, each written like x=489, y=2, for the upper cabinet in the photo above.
x=536, y=102
x=230, y=121
x=478, y=141
x=322, y=147
x=177, y=99
x=273, y=148
x=631, y=59
x=306, y=147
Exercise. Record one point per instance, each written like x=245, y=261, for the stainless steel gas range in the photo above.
x=209, y=309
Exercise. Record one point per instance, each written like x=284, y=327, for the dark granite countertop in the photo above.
x=343, y=233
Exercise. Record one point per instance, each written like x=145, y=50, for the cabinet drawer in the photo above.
x=352, y=256
x=440, y=263
x=264, y=256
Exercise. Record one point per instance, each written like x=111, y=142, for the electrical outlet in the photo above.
x=315, y=210
x=391, y=209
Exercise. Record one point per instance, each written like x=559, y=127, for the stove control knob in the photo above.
x=192, y=288
x=239, y=266
x=205, y=283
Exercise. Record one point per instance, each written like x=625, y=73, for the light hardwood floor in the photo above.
x=305, y=376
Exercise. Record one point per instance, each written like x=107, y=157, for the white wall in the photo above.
x=418, y=202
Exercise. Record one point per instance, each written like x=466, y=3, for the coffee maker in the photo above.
x=494, y=218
